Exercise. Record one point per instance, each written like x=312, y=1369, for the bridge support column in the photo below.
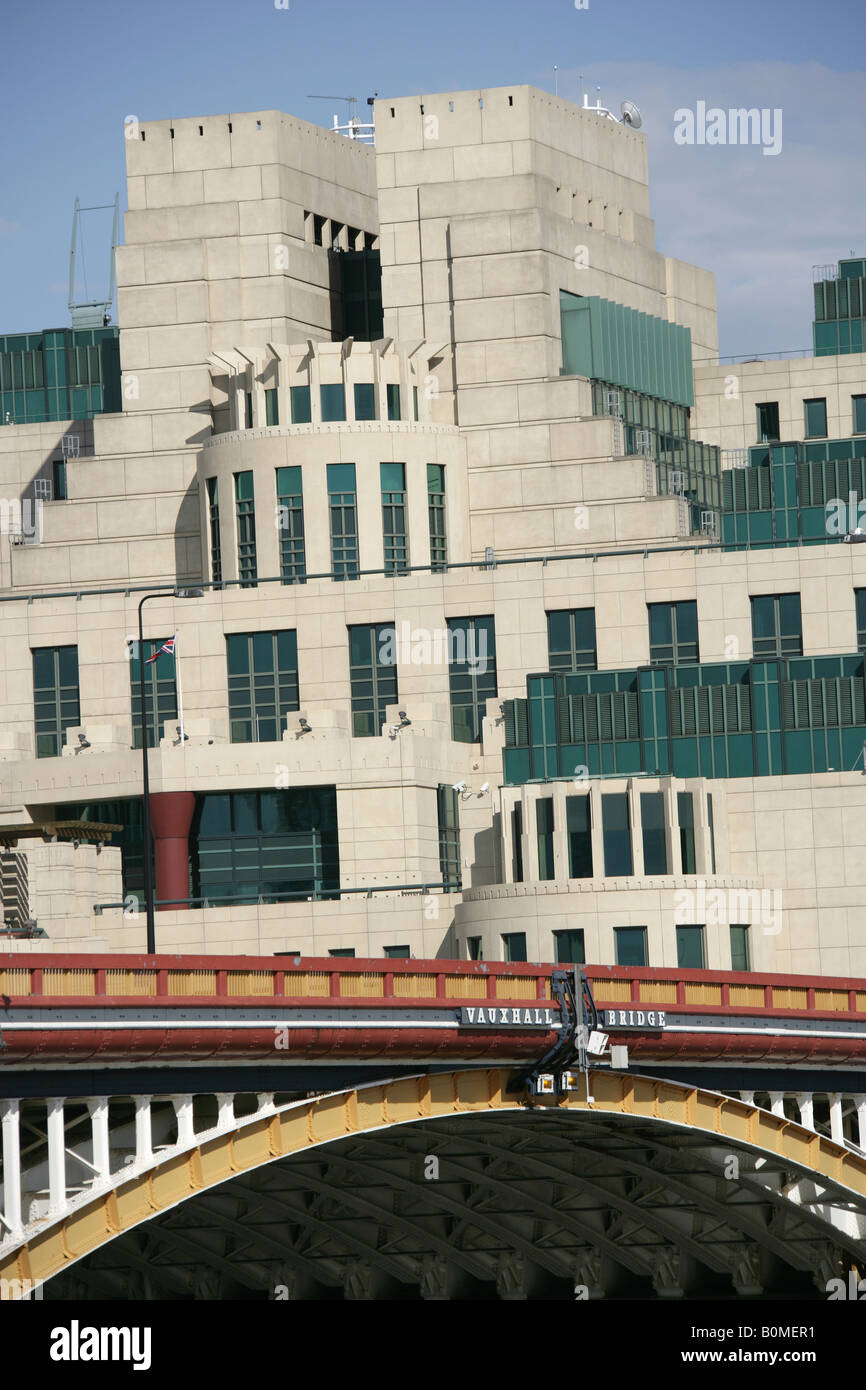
x=777, y=1103
x=143, y=1130
x=11, y=1125
x=171, y=817
x=836, y=1133
x=860, y=1102
x=183, y=1111
x=806, y=1104
x=56, y=1156
x=99, y=1128
x=226, y=1110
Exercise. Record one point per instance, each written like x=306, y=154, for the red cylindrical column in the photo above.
x=170, y=819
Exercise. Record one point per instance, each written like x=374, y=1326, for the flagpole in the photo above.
x=179, y=688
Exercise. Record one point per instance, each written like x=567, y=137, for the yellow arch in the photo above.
x=325, y=1119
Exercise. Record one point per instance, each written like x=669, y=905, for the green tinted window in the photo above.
x=262, y=684
x=630, y=945
x=616, y=834
x=514, y=946
x=333, y=400
x=815, y=418
x=471, y=674
x=373, y=676
x=569, y=947
x=301, y=410
x=740, y=959
x=55, y=697
x=365, y=401
x=690, y=948
x=652, y=814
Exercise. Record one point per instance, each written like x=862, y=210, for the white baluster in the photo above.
x=805, y=1101
x=836, y=1133
x=777, y=1103
x=99, y=1128
x=183, y=1111
x=226, y=1111
x=11, y=1125
x=143, y=1130
x=56, y=1156
x=860, y=1102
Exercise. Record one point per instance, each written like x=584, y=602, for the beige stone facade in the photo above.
x=483, y=205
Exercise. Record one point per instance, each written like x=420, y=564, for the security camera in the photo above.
x=458, y=786
x=485, y=787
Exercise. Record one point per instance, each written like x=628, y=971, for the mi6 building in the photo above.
x=486, y=614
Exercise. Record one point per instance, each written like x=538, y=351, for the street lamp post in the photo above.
x=145, y=770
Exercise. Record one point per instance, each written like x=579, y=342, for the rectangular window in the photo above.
x=333, y=400
x=55, y=697
x=860, y=609
x=517, y=840
x=373, y=676
x=290, y=514
x=246, y=522
x=815, y=412
x=776, y=626
x=436, y=516
x=58, y=473
x=471, y=674
x=365, y=400
x=213, y=509
x=686, y=818
x=655, y=850
x=571, y=639
x=858, y=410
x=616, y=834
x=740, y=957
x=344, y=520
x=630, y=945
x=397, y=952
x=248, y=410
x=415, y=401
x=301, y=408
x=578, y=824
x=392, y=477
x=473, y=948
x=768, y=422
x=271, y=845
x=673, y=633
x=514, y=945
x=690, y=948
x=449, y=836
x=263, y=684
x=544, y=830
x=272, y=409
x=569, y=948
x=393, y=393
x=160, y=691
x=346, y=952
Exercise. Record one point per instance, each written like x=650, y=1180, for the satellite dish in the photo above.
x=631, y=115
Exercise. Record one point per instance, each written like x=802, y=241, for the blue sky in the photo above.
x=70, y=73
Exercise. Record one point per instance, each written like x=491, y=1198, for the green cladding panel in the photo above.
x=606, y=341
x=59, y=374
x=740, y=719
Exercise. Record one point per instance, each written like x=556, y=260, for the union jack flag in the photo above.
x=167, y=647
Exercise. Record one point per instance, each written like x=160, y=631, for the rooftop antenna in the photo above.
x=555, y=80
x=92, y=313
x=354, y=128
